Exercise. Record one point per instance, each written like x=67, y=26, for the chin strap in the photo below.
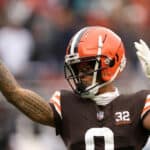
x=102, y=99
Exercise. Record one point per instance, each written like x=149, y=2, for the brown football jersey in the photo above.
x=117, y=126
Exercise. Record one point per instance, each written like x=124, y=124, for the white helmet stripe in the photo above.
x=75, y=40
x=100, y=45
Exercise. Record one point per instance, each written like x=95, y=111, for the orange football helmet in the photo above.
x=100, y=46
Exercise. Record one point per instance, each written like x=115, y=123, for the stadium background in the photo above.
x=33, y=39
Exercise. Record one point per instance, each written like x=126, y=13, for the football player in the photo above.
x=94, y=115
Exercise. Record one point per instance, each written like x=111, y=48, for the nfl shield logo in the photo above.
x=100, y=115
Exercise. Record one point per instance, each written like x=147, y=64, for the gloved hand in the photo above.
x=143, y=53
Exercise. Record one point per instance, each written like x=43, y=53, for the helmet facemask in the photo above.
x=76, y=69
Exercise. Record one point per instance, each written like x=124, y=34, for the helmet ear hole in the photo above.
x=112, y=62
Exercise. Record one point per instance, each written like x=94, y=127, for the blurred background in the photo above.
x=33, y=38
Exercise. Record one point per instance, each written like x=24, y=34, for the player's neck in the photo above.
x=108, y=88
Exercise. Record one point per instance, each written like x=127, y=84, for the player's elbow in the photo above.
x=12, y=95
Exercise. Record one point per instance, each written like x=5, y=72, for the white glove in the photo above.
x=143, y=53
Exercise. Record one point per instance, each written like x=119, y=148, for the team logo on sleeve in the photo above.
x=122, y=117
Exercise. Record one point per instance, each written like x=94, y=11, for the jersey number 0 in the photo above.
x=101, y=132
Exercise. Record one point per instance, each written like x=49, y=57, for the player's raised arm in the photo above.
x=27, y=101
x=143, y=53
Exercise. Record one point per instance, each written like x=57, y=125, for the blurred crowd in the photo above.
x=33, y=39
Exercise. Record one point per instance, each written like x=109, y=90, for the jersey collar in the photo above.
x=105, y=98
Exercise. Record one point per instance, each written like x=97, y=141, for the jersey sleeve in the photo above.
x=55, y=102
x=146, y=107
